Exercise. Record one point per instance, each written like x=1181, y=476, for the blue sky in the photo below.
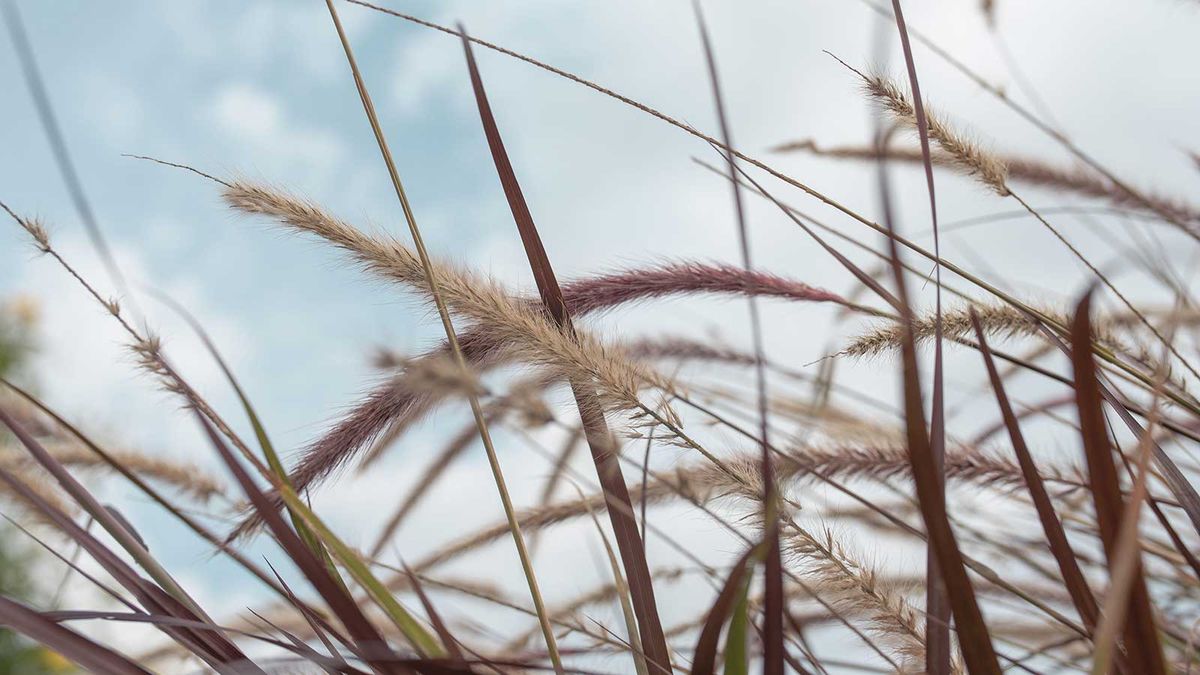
x=260, y=89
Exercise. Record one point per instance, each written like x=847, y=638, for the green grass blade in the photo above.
x=737, y=657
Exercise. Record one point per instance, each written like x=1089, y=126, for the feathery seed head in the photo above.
x=441, y=375
x=967, y=155
x=37, y=231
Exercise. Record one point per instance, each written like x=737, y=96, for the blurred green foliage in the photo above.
x=17, y=318
x=19, y=656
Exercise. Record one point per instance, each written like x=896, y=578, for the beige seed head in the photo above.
x=967, y=155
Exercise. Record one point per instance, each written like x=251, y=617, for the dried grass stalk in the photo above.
x=44, y=488
x=855, y=589
x=964, y=154
x=188, y=478
x=1003, y=321
x=1035, y=172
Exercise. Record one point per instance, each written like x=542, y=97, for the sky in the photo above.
x=261, y=90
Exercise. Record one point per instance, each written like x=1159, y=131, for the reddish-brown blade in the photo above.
x=214, y=648
x=947, y=563
x=319, y=627
x=367, y=638
x=608, y=468
x=444, y=634
x=1073, y=579
x=937, y=609
x=93, y=657
x=973, y=637
x=1141, y=637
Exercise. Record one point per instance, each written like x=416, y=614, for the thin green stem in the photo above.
x=444, y=314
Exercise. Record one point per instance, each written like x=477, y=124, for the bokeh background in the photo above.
x=261, y=89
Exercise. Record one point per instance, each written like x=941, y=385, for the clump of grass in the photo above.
x=804, y=477
x=395, y=406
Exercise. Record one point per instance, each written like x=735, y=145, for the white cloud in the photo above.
x=256, y=120
x=423, y=70
x=247, y=113
x=261, y=36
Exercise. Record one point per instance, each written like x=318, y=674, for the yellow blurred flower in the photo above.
x=24, y=309
x=54, y=662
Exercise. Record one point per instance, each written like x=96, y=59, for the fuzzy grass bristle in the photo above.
x=966, y=154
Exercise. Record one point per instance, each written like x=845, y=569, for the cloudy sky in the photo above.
x=260, y=89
